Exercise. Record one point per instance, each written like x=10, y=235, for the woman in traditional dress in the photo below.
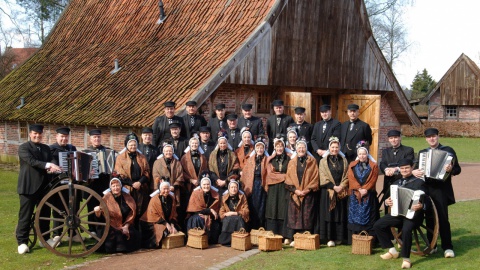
x=134, y=172
x=332, y=214
x=160, y=219
x=122, y=235
x=234, y=212
x=244, y=148
x=291, y=140
x=302, y=180
x=254, y=179
x=362, y=201
x=223, y=164
x=203, y=207
x=277, y=195
x=168, y=169
x=193, y=163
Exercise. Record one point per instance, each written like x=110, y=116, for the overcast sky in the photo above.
x=440, y=31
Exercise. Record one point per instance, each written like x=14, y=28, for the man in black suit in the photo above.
x=62, y=145
x=383, y=225
x=35, y=162
x=323, y=130
x=161, y=129
x=146, y=147
x=441, y=192
x=277, y=123
x=354, y=131
x=206, y=143
x=252, y=123
x=179, y=142
x=390, y=158
x=233, y=132
x=304, y=129
x=192, y=121
x=217, y=123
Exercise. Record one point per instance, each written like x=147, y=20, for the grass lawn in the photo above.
x=467, y=149
x=465, y=233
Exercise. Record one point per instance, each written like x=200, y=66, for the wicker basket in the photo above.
x=270, y=242
x=307, y=241
x=241, y=240
x=362, y=243
x=197, y=238
x=254, y=234
x=173, y=241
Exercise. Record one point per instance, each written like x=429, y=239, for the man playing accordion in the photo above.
x=383, y=225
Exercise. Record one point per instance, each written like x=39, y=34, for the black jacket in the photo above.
x=254, y=124
x=56, y=148
x=320, y=139
x=199, y=121
x=33, y=174
x=390, y=158
x=161, y=129
x=273, y=129
x=349, y=139
x=214, y=125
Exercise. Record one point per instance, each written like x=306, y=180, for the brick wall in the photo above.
x=446, y=129
x=388, y=121
x=465, y=113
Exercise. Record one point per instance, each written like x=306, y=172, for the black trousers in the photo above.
x=27, y=207
x=441, y=203
x=383, y=232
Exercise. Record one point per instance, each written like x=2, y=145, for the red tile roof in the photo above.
x=68, y=80
x=21, y=54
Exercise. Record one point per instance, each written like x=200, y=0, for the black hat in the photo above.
x=220, y=106
x=175, y=124
x=232, y=116
x=299, y=110
x=169, y=104
x=277, y=102
x=37, y=128
x=247, y=107
x=130, y=137
x=95, y=132
x=430, y=132
x=405, y=161
x=191, y=103
x=393, y=133
x=63, y=130
x=205, y=129
x=325, y=107
x=353, y=107
x=147, y=130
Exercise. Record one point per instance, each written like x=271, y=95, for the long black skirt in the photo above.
x=229, y=225
x=331, y=225
x=276, y=208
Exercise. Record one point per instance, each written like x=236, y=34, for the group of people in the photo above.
x=231, y=173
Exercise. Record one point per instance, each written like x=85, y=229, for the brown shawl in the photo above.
x=155, y=213
x=123, y=166
x=242, y=158
x=232, y=162
x=160, y=169
x=310, y=178
x=189, y=173
x=197, y=203
x=326, y=177
x=248, y=174
x=242, y=207
x=116, y=214
x=369, y=183
x=273, y=177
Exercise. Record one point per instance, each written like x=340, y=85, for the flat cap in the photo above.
x=191, y=103
x=430, y=132
x=37, y=128
x=95, y=132
x=147, y=130
x=63, y=130
x=405, y=161
x=299, y=110
x=277, y=102
x=353, y=107
x=247, y=107
x=232, y=116
x=394, y=133
x=220, y=106
x=325, y=107
x=169, y=104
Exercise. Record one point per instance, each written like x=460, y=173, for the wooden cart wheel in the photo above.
x=72, y=221
x=421, y=245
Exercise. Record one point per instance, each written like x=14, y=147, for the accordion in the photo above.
x=433, y=163
x=103, y=162
x=403, y=199
x=76, y=164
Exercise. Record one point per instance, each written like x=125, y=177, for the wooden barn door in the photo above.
x=298, y=99
x=369, y=113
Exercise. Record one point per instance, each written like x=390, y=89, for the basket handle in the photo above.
x=198, y=229
x=363, y=234
x=306, y=232
x=269, y=233
x=242, y=231
x=261, y=229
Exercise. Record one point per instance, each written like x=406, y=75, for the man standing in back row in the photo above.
x=353, y=131
x=252, y=123
x=277, y=123
x=324, y=130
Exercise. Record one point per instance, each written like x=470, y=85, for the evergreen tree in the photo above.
x=422, y=83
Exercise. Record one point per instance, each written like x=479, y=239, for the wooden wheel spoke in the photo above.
x=53, y=207
x=82, y=206
x=87, y=214
x=51, y=219
x=89, y=233
x=64, y=203
x=96, y=223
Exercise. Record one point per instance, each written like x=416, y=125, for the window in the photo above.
x=451, y=112
x=263, y=102
x=23, y=131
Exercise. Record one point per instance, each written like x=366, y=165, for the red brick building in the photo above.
x=305, y=52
